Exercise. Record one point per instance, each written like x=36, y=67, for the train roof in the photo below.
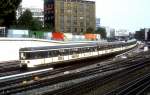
x=57, y=47
x=75, y=45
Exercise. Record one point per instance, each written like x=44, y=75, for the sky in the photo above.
x=119, y=14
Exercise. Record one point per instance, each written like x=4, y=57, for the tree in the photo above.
x=101, y=31
x=36, y=24
x=8, y=12
x=25, y=21
x=48, y=27
x=89, y=30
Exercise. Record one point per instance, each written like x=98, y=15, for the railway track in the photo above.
x=41, y=83
x=87, y=85
x=49, y=72
x=21, y=80
x=44, y=72
x=9, y=70
x=135, y=87
x=12, y=68
x=19, y=87
x=9, y=66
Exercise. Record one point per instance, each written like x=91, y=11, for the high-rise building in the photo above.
x=72, y=16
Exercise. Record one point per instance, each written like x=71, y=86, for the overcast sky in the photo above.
x=119, y=14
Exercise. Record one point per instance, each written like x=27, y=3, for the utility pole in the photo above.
x=146, y=34
x=146, y=39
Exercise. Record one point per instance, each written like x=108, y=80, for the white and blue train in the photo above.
x=35, y=56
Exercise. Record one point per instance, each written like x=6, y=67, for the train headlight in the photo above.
x=22, y=61
x=123, y=57
x=36, y=78
x=24, y=82
x=66, y=72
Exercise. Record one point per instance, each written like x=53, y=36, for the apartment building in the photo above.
x=71, y=16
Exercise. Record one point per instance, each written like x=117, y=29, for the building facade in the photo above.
x=37, y=13
x=71, y=16
x=110, y=32
x=122, y=32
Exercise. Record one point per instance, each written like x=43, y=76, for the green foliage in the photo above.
x=102, y=32
x=8, y=12
x=36, y=24
x=89, y=30
x=48, y=27
x=36, y=34
x=25, y=20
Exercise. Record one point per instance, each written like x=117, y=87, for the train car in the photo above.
x=35, y=56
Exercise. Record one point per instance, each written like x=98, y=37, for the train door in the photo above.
x=48, y=59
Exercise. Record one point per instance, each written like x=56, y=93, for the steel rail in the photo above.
x=94, y=71
x=91, y=83
x=19, y=78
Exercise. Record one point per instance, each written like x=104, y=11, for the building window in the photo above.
x=75, y=29
x=62, y=11
x=81, y=30
x=82, y=24
x=68, y=5
x=68, y=30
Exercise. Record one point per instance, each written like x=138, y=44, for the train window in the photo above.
x=66, y=52
x=35, y=55
x=62, y=50
x=49, y=54
x=55, y=53
x=71, y=51
x=38, y=55
x=79, y=50
x=110, y=46
x=28, y=55
x=44, y=54
x=90, y=49
x=95, y=48
x=75, y=50
x=82, y=50
x=85, y=49
x=99, y=47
